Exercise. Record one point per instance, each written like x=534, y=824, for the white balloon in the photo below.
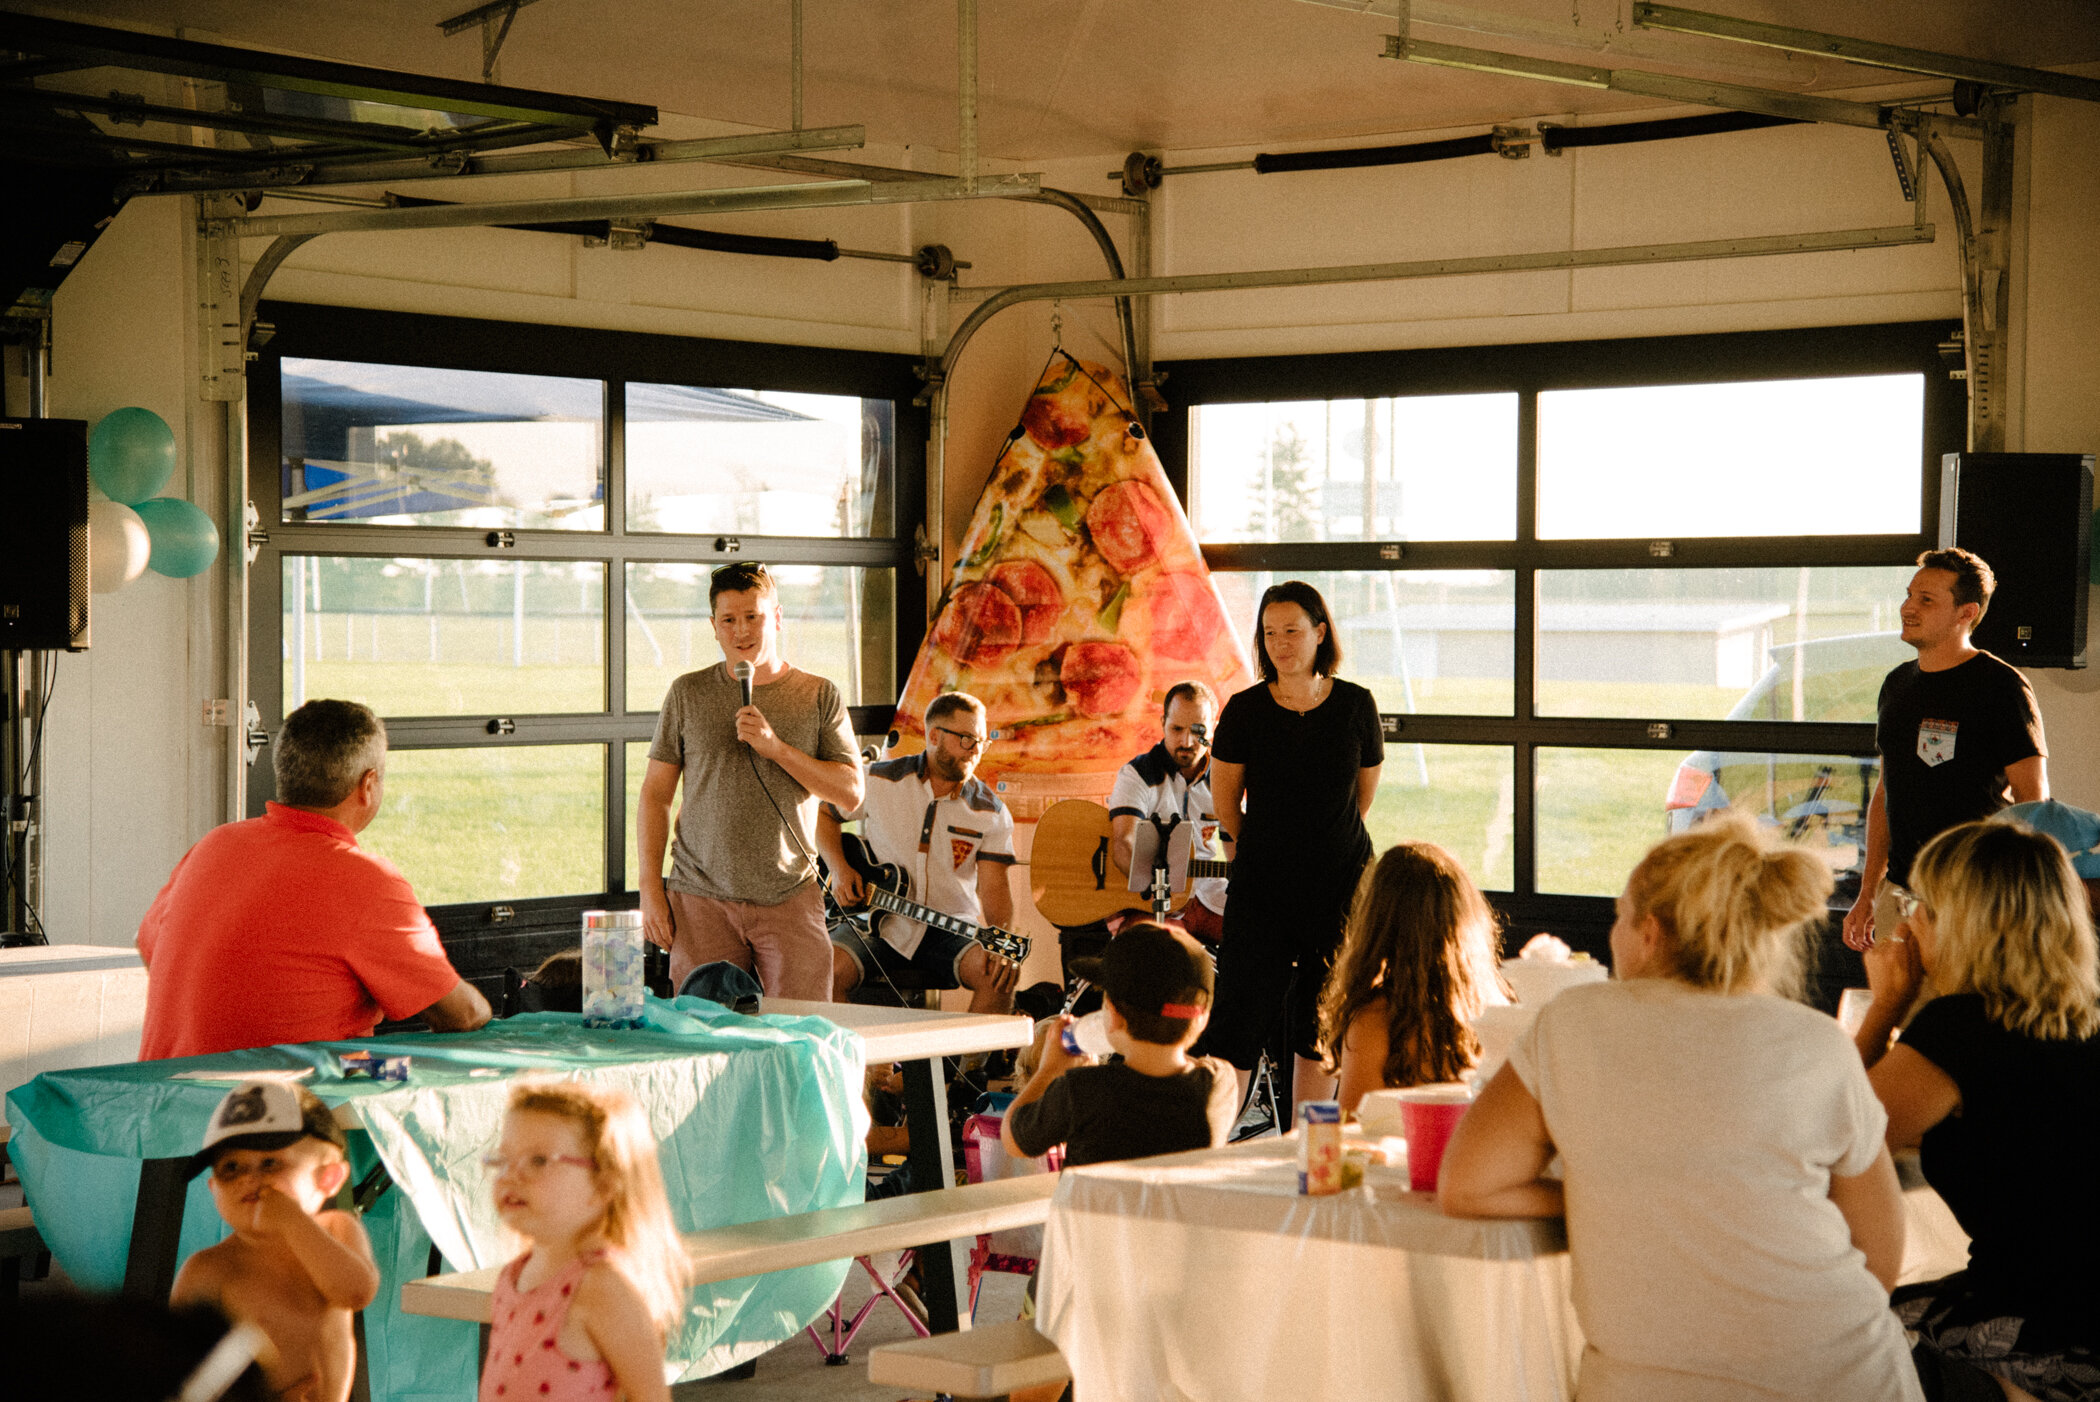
x=118, y=545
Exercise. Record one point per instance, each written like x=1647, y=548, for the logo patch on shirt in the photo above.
x=1936, y=741
x=961, y=850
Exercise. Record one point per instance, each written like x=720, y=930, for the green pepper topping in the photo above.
x=1058, y=502
x=1055, y=718
x=1070, y=457
x=1112, y=616
x=991, y=538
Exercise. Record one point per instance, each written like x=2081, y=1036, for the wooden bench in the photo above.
x=804, y=1239
x=987, y=1362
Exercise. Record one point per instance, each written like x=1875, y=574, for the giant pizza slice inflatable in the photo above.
x=1079, y=600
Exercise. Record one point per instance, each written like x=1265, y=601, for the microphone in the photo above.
x=742, y=672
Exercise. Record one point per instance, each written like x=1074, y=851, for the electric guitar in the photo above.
x=1071, y=875
x=888, y=884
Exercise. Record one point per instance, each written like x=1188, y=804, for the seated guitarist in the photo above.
x=1172, y=780
x=928, y=814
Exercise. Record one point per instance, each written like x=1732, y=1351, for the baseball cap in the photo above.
x=2075, y=828
x=266, y=1115
x=1151, y=968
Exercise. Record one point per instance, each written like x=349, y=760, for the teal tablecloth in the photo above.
x=756, y=1117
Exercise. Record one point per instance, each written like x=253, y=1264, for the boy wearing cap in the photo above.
x=297, y=1272
x=1156, y=986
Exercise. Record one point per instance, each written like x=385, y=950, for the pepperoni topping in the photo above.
x=1035, y=593
x=1055, y=425
x=1129, y=524
x=1177, y=617
x=1100, y=678
x=980, y=626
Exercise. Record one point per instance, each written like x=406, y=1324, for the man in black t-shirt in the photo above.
x=1958, y=731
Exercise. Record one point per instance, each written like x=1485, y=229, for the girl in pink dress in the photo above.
x=583, y=1313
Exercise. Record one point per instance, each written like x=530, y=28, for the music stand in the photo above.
x=1159, y=861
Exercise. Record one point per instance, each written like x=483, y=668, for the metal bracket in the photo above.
x=1512, y=143
x=923, y=551
x=256, y=537
x=221, y=356
x=623, y=235
x=257, y=737
x=1905, y=177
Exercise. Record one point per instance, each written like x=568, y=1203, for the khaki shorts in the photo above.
x=783, y=945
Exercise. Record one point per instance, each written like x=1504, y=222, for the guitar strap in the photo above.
x=933, y=808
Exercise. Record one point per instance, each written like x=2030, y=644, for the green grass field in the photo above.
x=511, y=823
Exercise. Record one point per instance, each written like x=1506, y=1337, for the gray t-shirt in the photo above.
x=732, y=841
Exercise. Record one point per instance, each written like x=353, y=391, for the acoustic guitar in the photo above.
x=1072, y=877
x=889, y=893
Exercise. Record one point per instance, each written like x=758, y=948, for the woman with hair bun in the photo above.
x=1998, y=1079
x=1732, y=1211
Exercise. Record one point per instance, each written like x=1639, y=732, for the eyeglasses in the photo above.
x=963, y=738
x=227, y=1170
x=531, y=1165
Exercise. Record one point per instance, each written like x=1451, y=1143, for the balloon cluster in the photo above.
x=131, y=456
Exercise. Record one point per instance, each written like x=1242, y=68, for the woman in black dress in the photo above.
x=1293, y=771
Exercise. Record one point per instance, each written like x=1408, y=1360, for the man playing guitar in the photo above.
x=931, y=816
x=1172, y=781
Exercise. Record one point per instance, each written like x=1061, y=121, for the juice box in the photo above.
x=1320, y=1148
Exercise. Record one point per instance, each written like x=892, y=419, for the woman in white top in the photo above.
x=1733, y=1215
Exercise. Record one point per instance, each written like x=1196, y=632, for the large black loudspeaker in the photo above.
x=2030, y=516
x=43, y=534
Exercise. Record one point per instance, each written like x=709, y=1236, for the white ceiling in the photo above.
x=1065, y=78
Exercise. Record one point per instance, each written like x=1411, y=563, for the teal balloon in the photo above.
x=131, y=455
x=185, y=542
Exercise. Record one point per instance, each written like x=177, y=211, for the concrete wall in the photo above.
x=136, y=777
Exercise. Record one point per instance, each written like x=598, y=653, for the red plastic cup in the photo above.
x=1428, y=1114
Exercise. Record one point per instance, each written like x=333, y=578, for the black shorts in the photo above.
x=939, y=955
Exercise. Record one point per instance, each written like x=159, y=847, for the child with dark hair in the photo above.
x=1156, y=985
x=294, y=1270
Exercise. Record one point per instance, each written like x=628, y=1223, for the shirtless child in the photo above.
x=296, y=1272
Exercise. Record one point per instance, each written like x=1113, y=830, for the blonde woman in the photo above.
x=1418, y=963
x=1998, y=1079
x=1732, y=1211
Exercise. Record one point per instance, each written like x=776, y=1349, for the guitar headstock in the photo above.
x=1005, y=943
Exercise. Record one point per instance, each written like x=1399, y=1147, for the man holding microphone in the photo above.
x=759, y=744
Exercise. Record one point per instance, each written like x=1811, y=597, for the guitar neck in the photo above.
x=1199, y=868
x=883, y=899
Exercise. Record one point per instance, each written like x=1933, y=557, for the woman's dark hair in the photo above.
x=1423, y=946
x=1328, y=659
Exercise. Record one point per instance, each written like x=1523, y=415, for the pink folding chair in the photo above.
x=1017, y=1250
x=843, y=1330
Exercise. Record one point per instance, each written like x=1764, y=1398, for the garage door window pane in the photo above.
x=1432, y=467
x=500, y=823
x=840, y=624
x=758, y=462
x=1424, y=641
x=408, y=445
x=1599, y=811
x=417, y=637
x=1763, y=458
x=1461, y=797
x=1765, y=644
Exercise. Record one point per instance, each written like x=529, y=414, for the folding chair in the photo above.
x=1016, y=1251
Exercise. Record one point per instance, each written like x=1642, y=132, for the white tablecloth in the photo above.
x=68, y=1005
x=1205, y=1276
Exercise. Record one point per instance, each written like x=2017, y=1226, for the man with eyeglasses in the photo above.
x=1171, y=781
x=931, y=815
x=743, y=883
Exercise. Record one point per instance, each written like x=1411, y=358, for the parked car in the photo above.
x=1820, y=800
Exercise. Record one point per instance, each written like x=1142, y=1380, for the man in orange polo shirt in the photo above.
x=281, y=929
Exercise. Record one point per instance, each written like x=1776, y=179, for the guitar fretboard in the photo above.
x=912, y=910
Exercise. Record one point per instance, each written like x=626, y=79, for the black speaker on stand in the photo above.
x=2030, y=516
x=43, y=608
